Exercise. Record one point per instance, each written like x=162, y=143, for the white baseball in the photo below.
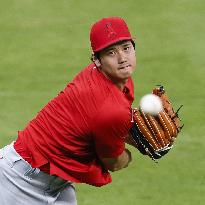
x=151, y=104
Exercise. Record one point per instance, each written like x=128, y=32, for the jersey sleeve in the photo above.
x=109, y=128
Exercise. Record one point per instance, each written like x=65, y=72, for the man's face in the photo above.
x=118, y=61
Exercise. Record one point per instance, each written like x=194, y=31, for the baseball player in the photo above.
x=80, y=135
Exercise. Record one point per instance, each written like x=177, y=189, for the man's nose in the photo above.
x=121, y=57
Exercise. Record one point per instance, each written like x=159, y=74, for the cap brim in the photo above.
x=112, y=42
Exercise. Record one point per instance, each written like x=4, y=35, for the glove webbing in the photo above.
x=143, y=145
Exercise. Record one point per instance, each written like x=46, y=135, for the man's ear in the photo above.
x=95, y=60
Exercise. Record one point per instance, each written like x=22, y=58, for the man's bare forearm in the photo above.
x=115, y=164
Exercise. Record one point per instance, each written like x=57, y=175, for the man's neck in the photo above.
x=119, y=83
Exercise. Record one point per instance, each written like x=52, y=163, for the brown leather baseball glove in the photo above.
x=154, y=135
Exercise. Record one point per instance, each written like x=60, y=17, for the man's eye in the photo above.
x=111, y=52
x=126, y=48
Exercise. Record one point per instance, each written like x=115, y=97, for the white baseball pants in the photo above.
x=20, y=184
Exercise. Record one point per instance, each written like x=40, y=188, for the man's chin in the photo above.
x=127, y=74
x=124, y=78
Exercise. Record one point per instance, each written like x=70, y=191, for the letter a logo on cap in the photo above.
x=110, y=30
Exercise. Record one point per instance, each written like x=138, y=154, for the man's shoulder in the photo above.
x=89, y=74
x=88, y=89
x=91, y=81
x=87, y=70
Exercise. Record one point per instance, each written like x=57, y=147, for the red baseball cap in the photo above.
x=108, y=31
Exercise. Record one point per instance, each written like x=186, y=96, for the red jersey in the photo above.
x=89, y=119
